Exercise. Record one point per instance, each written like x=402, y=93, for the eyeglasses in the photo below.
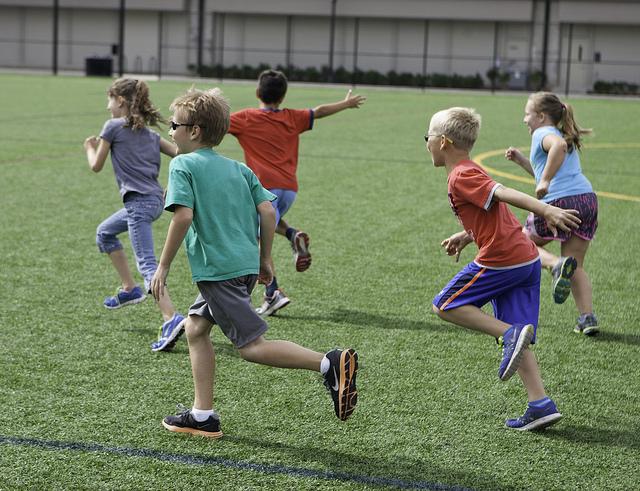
x=427, y=136
x=174, y=126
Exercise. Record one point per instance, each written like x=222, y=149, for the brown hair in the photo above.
x=272, y=86
x=136, y=96
x=561, y=115
x=207, y=109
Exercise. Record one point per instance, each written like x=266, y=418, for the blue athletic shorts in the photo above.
x=282, y=203
x=514, y=293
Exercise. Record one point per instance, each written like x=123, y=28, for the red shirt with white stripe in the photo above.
x=493, y=227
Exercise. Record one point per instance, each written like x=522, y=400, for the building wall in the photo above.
x=381, y=35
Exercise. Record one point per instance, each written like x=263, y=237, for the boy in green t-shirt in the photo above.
x=216, y=203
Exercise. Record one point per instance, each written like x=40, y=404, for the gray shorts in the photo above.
x=228, y=304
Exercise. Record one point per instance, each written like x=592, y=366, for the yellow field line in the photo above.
x=494, y=153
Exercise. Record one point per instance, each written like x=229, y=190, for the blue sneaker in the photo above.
x=562, y=273
x=169, y=334
x=536, y=418
x=514, y=341
x=123, y=297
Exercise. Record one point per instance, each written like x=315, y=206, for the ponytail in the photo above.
x=136, y=95
x=561, y=116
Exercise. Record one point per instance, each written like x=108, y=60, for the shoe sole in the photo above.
x=524, y=340
x=562, y=285
x=347, y=393
x=280, y=304
x=130, y=302
x=302, y=256
x=540, y=423
x=193, y=431
x=172, y=338
x=587, y=331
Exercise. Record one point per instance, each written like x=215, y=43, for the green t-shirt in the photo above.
x=222, y=242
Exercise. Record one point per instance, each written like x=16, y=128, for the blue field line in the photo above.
x=233, y=464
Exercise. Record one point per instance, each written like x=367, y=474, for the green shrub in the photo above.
x=344, y=76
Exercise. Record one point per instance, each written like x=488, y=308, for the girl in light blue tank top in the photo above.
x=554, y=162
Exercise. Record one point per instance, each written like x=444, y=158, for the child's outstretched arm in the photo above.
x=350, y=101
x=168, y=148
x=556, y=218
x=267, y=230
x=97, y=150
x=515, y=155
x=556, y=149
x=180, y=223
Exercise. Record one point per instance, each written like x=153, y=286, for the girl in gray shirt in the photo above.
x=135, y=154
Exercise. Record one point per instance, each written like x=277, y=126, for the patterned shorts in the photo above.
x=587, y=206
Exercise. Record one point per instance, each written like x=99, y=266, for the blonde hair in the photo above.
x=136, y=96
x=207, y=109
x=460, y=124
x=561, y=116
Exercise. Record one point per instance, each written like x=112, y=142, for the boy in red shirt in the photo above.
x=506, y=271
x=269, y=137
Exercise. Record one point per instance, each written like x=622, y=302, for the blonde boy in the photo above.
x=506, y=270
x=216, y=203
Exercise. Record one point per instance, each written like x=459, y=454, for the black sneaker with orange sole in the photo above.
x=340, y=379
x=184, y=422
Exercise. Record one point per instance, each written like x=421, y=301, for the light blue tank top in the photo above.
x=569, y=180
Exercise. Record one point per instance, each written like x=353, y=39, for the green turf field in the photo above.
x=82, y=395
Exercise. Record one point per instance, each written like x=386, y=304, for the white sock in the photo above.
x=324, y=365
x=201, y=415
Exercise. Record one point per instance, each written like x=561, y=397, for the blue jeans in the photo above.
x=139, y=212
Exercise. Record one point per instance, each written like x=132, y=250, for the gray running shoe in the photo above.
x=272, y=304
x=562, y=273
x=587, y=325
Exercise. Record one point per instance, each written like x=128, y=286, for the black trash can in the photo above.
x=96, y=66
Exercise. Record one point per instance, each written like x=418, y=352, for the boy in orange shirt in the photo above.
x=506, y=270
x=269, y=137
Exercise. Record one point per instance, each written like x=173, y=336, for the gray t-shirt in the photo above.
x=135, y=155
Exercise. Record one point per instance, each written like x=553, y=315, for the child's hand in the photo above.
x=91, y=142
x=454, y=244
x=558, y=218
x=266, y=271
x=354, y=101
x=542, y=189
x=158, y=282
x=513, y=154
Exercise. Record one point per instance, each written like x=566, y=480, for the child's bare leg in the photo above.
x=282, y=227
x=281, y=354
x=580, y=283
x=203, y=360
x=119, y=261
x=547, y=259
x=472, y=317
x=166, y=306
x=582, y=292
x=529, y=373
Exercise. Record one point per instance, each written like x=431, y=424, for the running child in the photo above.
x=506, y=270
x=269, y=137
x=135, y=155
x=554, y=162
x=216, y=203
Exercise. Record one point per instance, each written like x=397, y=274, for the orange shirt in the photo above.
x=494, y=228
x=270, y=141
